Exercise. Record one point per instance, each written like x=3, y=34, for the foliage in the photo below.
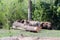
x=11, y=10
x=42, y=10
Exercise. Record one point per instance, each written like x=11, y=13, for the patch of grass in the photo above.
x=42, y=33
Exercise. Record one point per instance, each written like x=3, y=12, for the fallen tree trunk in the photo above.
x=22, y=26
x=30, y=28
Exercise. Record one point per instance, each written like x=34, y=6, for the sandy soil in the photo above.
x=29, y=38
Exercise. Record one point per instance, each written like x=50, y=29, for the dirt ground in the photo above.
x=29, y=38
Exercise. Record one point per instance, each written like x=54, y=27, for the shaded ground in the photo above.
x=42, y=33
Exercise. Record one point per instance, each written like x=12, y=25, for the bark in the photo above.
x=22, y=26
x=30, y=10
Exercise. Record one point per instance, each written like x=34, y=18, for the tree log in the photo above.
x=22, y=26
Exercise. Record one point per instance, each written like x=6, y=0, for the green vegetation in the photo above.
x=42, y=10
x=42, y=33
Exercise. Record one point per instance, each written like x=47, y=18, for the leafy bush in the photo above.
x=42, y=10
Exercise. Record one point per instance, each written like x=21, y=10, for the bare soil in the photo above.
x=29, y=38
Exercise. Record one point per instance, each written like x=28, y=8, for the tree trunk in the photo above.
x=30, y=10
x=22, y=26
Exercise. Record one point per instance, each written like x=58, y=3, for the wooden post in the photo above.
x=30, y=10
